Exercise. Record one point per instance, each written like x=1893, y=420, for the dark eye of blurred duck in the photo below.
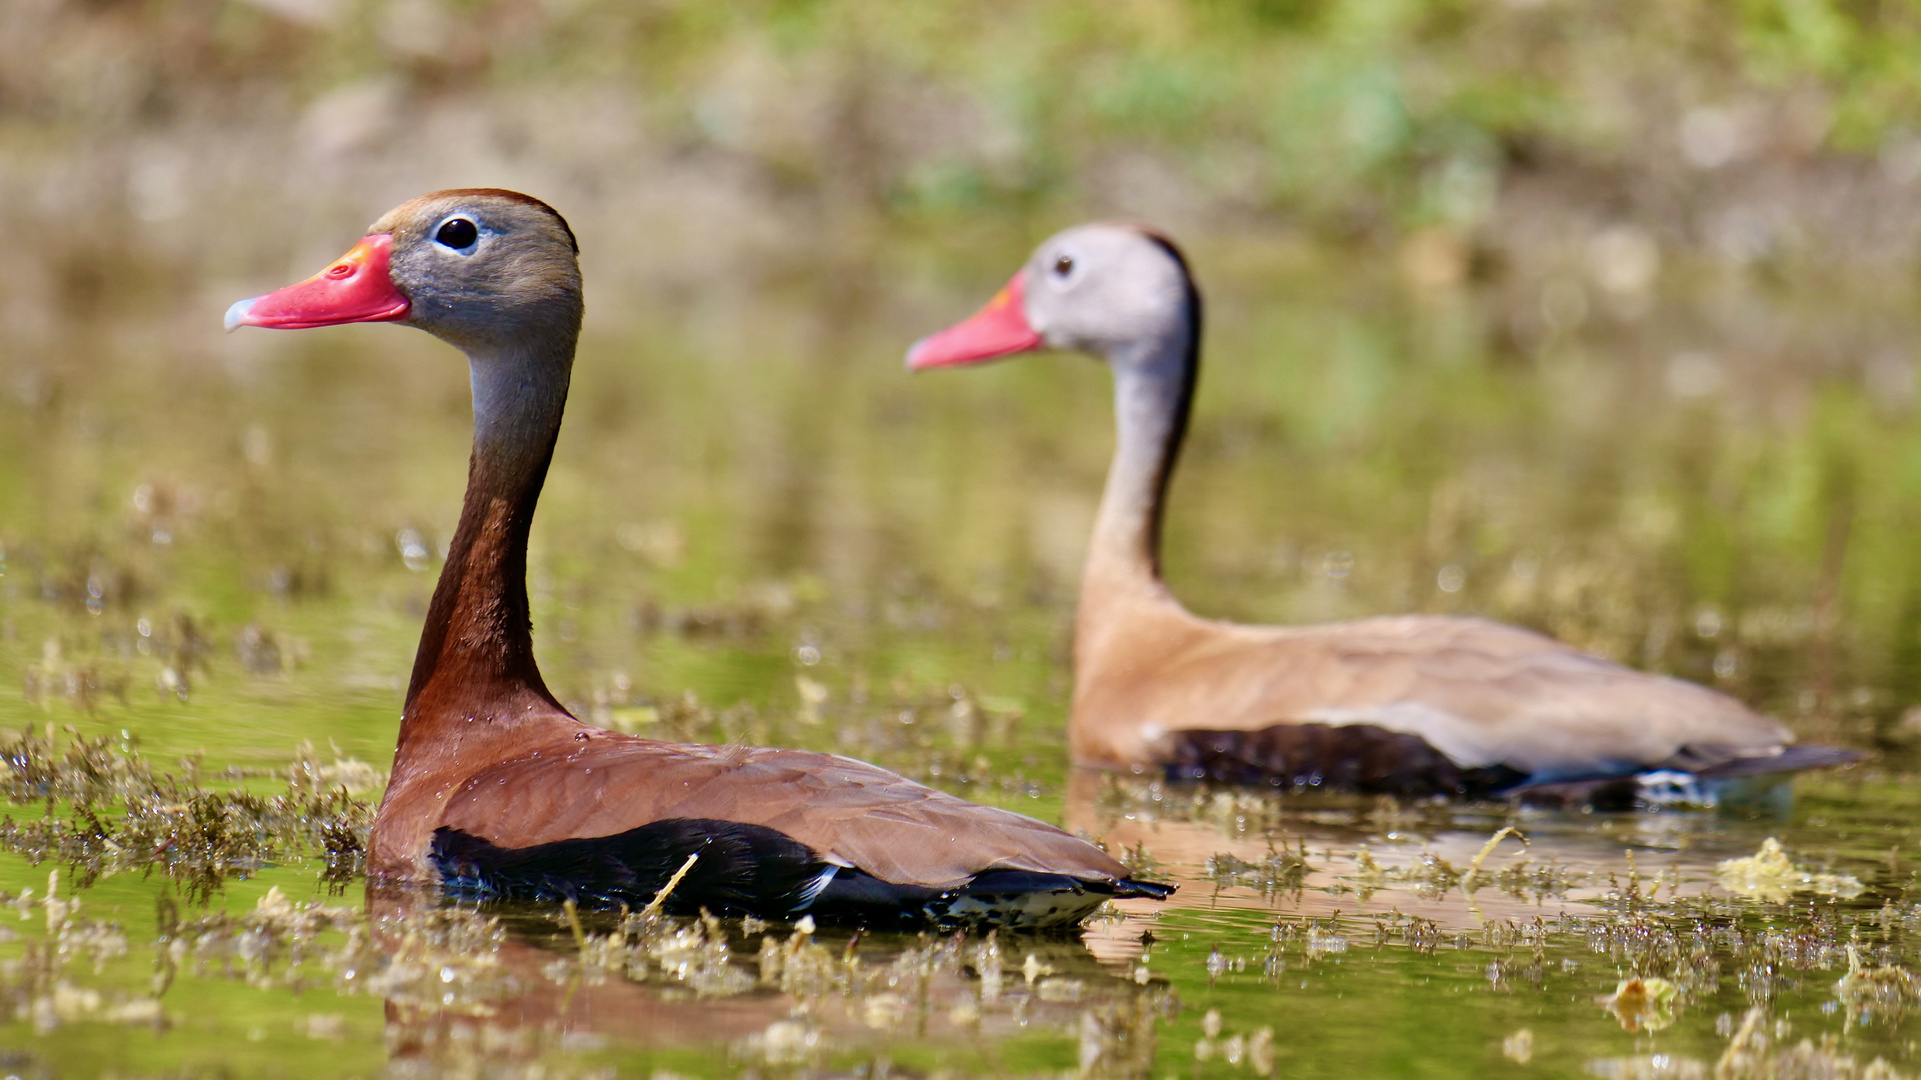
x=1063, y=265
x=458, y=233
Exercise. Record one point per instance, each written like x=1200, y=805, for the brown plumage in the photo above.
x=496, y=791
x=1406, y=704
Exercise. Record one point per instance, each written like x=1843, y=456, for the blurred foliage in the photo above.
x=1343, y=114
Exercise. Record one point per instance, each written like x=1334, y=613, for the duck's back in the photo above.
x=1417, y=692
x=849, y=812
x=611, y=818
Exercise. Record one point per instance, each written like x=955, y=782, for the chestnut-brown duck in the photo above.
x=496, y=790
x=1402, y=705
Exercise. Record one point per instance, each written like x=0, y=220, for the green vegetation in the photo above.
x=1505, y=121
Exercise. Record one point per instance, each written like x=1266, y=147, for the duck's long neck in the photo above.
x=476, y=657
x=1127, y=622
x=1153, y=388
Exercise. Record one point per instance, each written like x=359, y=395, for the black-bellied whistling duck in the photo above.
x=496, y=790
x=1400, y=705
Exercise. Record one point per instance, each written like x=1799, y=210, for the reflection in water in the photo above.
x=1371, y=919
x=1459, y=866
x=521, y=988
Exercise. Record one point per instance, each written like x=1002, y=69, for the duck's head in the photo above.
x=473, y=266
x=1103, y=289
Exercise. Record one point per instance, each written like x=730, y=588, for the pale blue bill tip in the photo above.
x=237, y=314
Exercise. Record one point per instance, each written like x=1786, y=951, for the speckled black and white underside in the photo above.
x=1373, y=760
x=754, y=870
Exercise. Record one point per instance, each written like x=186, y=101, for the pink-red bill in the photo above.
x=999, y=329
x=358, y=287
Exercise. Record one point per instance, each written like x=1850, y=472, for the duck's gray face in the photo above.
x=1097, y=288
x=470, y=267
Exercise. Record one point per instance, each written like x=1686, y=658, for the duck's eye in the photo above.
x=458, y=233
x=1063, y=265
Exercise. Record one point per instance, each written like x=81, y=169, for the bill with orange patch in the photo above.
x=358, y=287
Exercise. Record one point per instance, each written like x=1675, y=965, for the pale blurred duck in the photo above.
x=496, y=790
x=1405, y=705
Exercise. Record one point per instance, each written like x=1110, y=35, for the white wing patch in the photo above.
x=813, y=889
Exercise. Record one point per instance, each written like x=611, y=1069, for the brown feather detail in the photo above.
x=847, y=811
x=478, y=634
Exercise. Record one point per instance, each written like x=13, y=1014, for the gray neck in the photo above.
x=1153, y=387
x=519, y=394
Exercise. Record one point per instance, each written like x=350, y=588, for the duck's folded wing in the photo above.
x=1479, y=692
x=847, y=812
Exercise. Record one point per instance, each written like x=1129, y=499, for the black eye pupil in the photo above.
x=1064, y=265
x=458, y=233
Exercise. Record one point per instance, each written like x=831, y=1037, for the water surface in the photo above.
x=217, y=552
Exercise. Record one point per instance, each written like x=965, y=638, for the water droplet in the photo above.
x=413, y=549
x=1726, y=663
x=1707, y=622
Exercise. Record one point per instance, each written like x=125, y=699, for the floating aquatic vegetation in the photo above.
x=122, y=816
x=275, y=944
x=1769, y=874
x=1642, y=1004
x=1429, y=874
x=1417, y=934
x=1236, y=811
x=1119, y=1039
x=1754, y=1054
x=1525, y=879
x=308, y=774
x=1281, y=870
x=784, y=1042
x=1141, y=864
x=1519, y=1047
x=1888, y=991
x=694, y=953
x=1320, y=941
x=442, y=958
x=1254, y=1051
x=39, y=988
x=1367, y=876
x=802, y=966
x=1474, y=867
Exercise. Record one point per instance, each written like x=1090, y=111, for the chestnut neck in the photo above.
x=476, y=656
x=1154, y=379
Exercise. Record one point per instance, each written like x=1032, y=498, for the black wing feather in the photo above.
x=754, y=870
x=742, y=869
